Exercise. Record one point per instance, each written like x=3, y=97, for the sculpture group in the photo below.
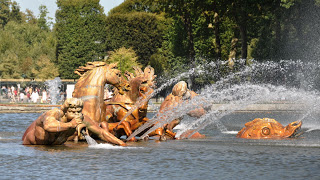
x=126, y=111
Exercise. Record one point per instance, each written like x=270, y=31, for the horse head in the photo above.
x=96, y=75
x=113, y=75
x=142, y=83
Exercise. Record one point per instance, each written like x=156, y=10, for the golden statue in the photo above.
x=90, y=89
x=136, y=90
x=55, y=126
x=269, y=129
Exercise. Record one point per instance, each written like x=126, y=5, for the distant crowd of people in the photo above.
x=28, y=94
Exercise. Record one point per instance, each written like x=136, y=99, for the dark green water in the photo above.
x=219, y=156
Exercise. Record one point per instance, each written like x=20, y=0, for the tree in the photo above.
x=15, y=14
x=126, y=59
x=141, y=31
x=9, y=66
x=80, y=31
x=185, y=10
x=42, y=21
x=21, y=46
x=129, y=6
x=44, y=68
x=29, y=17
x=4, y=12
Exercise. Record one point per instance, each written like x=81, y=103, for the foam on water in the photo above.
x=230, y=132
x=110, y=146
x=93, y=144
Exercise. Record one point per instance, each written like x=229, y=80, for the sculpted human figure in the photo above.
x=55, y=126
x=180, y=93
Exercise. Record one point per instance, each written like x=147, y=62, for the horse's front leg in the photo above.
x=103, y=134
x=115, y=127
x=127, y=129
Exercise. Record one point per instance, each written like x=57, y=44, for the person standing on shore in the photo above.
x=34, y=96
x=21, y=95
x=44, y=96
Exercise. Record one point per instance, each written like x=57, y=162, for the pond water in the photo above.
x=219, y=156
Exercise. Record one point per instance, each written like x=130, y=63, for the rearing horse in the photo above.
x=90, y=88
x=119, y=106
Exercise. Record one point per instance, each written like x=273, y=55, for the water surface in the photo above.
x=219, y=156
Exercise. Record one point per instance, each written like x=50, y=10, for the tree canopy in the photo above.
x=170, y=35
x=23, y=44
x=80, y=32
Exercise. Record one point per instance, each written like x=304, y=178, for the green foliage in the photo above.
x=129, y=6
x=30, y=18
x=44, y=68
x=141, y=31
x=42, y=21
x=126, y=59
x=80, y=31
x=21, y=46
x=172, y=36
x=9, y=66
x=287, y=3
x=15, y=14
x=4, y=12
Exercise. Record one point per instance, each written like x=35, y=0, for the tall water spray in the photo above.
x=260, y=82
x=54, y=89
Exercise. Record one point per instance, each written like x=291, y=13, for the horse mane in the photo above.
x=81, y=71
x=139, y=76
x=148, y=74
x=86, y=72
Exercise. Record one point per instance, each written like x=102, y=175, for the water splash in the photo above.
x=240, y=96
x=141, y=100
x=93, y=144
x=110, y=146
x=90, y=140
x=54, y=89
x=266, y=82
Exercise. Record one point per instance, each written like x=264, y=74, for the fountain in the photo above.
x=231, y=101
x=54, y=89
x=90, y=140
x=290, y=82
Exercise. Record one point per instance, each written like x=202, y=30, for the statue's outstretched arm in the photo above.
x=53, y=125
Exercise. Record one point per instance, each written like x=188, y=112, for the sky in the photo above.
x=33, y=5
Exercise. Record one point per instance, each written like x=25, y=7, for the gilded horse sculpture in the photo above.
x=90, y=89
x=123, y=116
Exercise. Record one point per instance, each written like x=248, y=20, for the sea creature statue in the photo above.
x=269, y=129
x=180, y=93
x=90, y=89
x=136, y=91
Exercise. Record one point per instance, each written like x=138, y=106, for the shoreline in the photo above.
x=26, y=108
